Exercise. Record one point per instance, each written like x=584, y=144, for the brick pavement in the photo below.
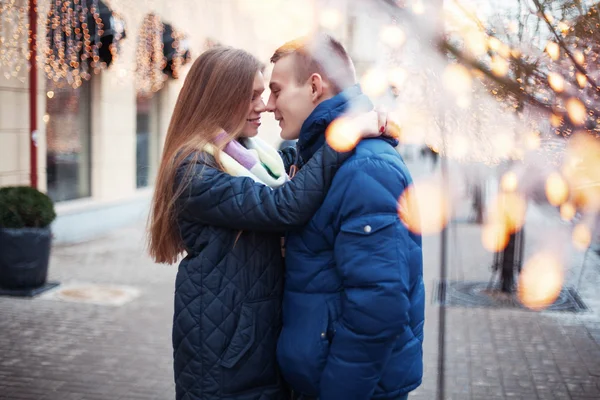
x=57, y=350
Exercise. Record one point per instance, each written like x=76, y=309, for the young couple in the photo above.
x=343, y=318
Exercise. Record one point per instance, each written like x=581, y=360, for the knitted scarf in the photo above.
x=254, y=159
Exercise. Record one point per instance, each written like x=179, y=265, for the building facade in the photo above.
x=99, y=145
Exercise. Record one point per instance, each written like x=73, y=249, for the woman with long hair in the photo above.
x=222, y=200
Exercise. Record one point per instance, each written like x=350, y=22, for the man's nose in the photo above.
x=270, y=107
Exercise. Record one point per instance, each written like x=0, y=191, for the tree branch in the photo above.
x=562, y=44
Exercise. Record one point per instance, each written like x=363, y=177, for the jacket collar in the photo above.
x=312, y=133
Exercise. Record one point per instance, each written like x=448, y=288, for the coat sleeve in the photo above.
x=217, y=198
x=370, y=253
x=288, y=155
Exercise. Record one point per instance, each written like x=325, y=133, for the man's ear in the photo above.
x=317, y=87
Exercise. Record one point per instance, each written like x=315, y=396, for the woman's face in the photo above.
x=257, y=107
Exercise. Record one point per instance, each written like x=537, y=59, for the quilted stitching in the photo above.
x=220, y=274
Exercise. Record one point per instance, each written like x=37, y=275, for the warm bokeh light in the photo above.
x=557, y=189
x=499, y=66
x=503, y=144
x=557, y=82
x=579, y=57
x=533, y=140
x=457, y=79
x=508, y=210
x=567, y=211
x=509, y=182
x=427, y=197
x=582, y=236
x=374, y=82
x=581, y=79
x=50, y=94
x=540, y=281
x=330, y=18
x=553, y=50
x=418, y=7
x=463, y=101
x=555, y=120
x=343, y=134
x=458, y=148
x=563, y=27
x=397, y=77
x=576, y=110
x=582, y=170
x=494, y=237
x=476, y=42
x=392, y=35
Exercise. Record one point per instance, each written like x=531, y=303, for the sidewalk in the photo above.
x=54, y=349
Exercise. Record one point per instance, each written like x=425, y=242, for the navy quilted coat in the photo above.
x=354, y=298
x=229, y=288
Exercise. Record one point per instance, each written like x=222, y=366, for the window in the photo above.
x=68, y=138
x=147, y=139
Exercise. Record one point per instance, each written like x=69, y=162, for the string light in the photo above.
x=150, y=58
x=72, y=46
x=14, y=40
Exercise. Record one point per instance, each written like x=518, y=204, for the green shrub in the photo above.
x=25, y=207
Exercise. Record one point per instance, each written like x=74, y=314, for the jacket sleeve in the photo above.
x=370, y=253
x=216, y=198
x=288, y=155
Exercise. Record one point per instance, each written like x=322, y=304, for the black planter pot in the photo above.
x=24, y=257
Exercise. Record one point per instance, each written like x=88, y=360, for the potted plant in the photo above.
x=25, y=239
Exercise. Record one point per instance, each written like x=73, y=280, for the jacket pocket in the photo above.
x=249, y=360
x=303, y=345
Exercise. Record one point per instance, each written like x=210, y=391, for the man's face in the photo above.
x=291, y=102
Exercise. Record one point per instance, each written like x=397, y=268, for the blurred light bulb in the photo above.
x=553, y=50
x=533, y=140
x=343, y=134
x=499, y=66
x=576, y=110
x=392, y=35
x=494, y=236
x=582, y=237
x=555, y=120
x=476, y=42
x=509, y=182
x=540, y=281
x=557, y=189
x=397, y=77
x=457, y=79
x=557, y=83
x=581, y=79
x=428, y=196
x=374, y=82
x=418, y=7
x=563, y=27
x=567, y=211
x=330, y=18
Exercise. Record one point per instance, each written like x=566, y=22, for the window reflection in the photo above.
x=147, y=139
x=68, y=138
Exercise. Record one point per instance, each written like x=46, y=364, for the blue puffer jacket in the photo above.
x=229, y=287
x=353, y=308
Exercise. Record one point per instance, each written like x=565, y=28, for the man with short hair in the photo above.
x=353, y=308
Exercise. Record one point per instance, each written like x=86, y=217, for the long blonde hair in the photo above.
x=215, y=97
